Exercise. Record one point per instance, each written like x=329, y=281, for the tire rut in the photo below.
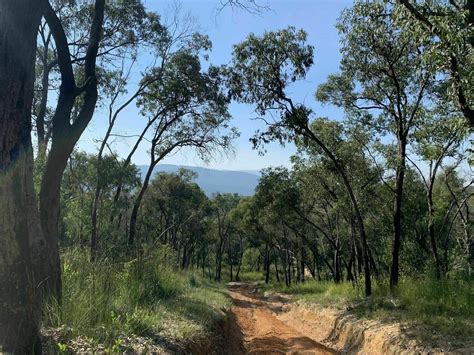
x=253, y=327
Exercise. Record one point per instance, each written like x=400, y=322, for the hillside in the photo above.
x=213, y=181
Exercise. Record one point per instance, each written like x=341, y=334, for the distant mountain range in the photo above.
x=212, y=181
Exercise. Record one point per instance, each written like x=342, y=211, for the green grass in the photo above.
x=250, y=276
x=443, y=308
x=105, y=302
x=325, y=292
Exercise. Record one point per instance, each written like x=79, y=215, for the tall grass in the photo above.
x=445, y=307
x=105, y=301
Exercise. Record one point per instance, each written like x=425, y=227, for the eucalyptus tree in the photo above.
x=80, y=41
x=175, y=212
x=123, y=29
x=77, y=97
x=115, y=91
x=454, y=198
x=449, y=25
x=309, y=232
x=20, y=229
x=439, y=139
x=251, y=221
x=324, y=192
x=188, y=108
x=242, y=216
x=296, y=222
x=276, y=198
x=76, y=192
x=262, y=69
x=174, y=36
x=222, y=205
x=385, y=84
x=79, y=193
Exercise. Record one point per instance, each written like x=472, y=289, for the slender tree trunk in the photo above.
x=350, y=276
x=373, y=265
x=21, y=254
x=229, y=257
x=337, y=267
x=127, y=161
x=317, y=268
x=219, y=269
x=289, y=266
x=469, y=253
x=267, y=264
x=219, y=253
x=98, y=190
x=445, y=255
x=358, y=262
x=303, y=256
x=40, y=117
x=431, y=232
x=95, y=205
x=331, y=269
x=277, y=274
x=397, y=212
x=136, y=205
x=355, y=206
x=293, y=271
x=275, y=261
x=183, y=259
x=203, y=264
x=241, y=254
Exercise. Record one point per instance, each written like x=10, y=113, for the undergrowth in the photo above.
x=444, y=307
x=105, y=302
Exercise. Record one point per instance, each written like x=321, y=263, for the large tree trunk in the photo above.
x=20, y=232
x=49, y=213
x=397, y=212
x=65, y=133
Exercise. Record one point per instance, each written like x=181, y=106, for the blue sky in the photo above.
x=226, y=28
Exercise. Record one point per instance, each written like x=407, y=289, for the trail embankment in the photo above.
x=272, y=324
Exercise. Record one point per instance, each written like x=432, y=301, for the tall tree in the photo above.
x=20, y=229
x=85, y=35
x=384, y=83
x=187, y=107
x=74, y=96
x=174, y=213
x=439, y=138
x=222, y=204
x=449, y=24
x=263, y=68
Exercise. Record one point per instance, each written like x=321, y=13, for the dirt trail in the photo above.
x=254, y=328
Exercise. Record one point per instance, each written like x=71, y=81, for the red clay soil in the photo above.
x=253, y=327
